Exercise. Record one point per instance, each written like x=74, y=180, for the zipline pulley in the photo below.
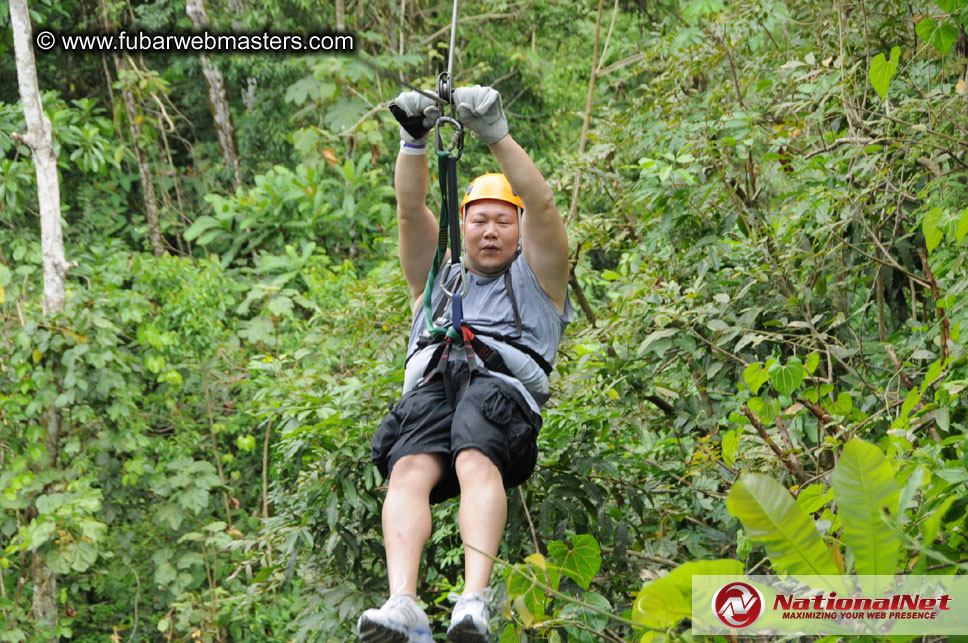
x=445, y=88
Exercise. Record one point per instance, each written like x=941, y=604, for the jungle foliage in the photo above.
x=766, y=371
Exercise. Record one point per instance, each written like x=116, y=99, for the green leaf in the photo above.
x=532, y=597
x=658, y=342
x=729, y=446
x=882, y=70
x=843, y=405
x=962, y=227
x=939, y=35
x=165, y=573
x=813, y=360
x=194, y=500
x=200, y=225
x=280, y=305
x=155, y=363
x=932, y=233
x=592, y=619
x=662, y=603
x=83, y=556
x=864, y=487
x=770, y=516
x=933, y=523
x=508, y=635
x=787, y=379
x=912, y=398
x=813, y=497
x=766, y=411
x=716, y=325
x=581, y=562
x=755, y=377
x=943, y=417
x=344, y=113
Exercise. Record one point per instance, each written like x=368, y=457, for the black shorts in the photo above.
x=491, y=416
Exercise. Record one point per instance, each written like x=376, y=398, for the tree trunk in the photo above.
x=144, y=170
x=217, y=97
x=40, y=140
x=134, y=129
x=340, y=16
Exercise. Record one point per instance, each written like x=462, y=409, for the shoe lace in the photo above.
x=398, y=591
x=483, y=595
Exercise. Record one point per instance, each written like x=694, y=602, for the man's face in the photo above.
x=490, y=235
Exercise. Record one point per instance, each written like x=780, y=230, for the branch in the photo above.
x=899, y=366
x=794, y=469
x=819, y=413
x=718, y=348
x=936, y=293
x=608, y=39
x=589, y=102
x=852, y=140
x=26, y=139
x=789, y=443
x=658, y=560
x=580, y=296
x=732, y=66
x=625, y=62
x=662, y=404
x=482, y=17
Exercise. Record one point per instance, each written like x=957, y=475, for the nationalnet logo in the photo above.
x=738, y=604
x=830, y=605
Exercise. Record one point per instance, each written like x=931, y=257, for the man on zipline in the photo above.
x=463, y=428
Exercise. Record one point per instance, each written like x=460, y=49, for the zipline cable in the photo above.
x=450, y=60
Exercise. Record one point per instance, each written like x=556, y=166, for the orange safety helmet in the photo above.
x=491, y=186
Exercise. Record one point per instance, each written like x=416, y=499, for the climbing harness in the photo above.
x=456, y=288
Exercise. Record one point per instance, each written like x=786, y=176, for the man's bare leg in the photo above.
x=407, y=518
x=482, y=516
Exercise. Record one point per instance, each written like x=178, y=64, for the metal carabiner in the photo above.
x=457, y=140
x=464, y=284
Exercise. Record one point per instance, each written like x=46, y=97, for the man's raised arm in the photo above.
x=544, y=237
x=416, y=225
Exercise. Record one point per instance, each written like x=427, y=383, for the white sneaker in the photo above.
x=470, y=620
x=400, y=620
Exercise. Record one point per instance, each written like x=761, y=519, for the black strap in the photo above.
x=514, y=302
x=510, y=341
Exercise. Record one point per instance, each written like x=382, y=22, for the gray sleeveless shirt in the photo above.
x=487, y=308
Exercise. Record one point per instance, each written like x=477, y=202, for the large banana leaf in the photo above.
x=771, y=516
x=864, y=487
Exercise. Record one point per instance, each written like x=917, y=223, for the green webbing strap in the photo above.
x=448, y=207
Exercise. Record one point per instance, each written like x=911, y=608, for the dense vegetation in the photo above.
x=769, y=267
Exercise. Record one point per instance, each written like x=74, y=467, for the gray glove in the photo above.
x=479, y=109
x=416, y=114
